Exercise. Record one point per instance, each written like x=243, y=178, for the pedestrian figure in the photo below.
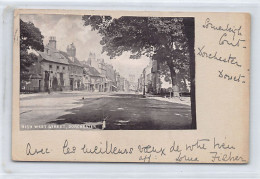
x=180, y=97
x=104, y=124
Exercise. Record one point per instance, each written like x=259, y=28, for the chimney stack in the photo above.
x=52, y=42
x=71, y=50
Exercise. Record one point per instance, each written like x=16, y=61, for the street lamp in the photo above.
x=144, y=82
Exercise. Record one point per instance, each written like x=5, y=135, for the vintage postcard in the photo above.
x=123, y=86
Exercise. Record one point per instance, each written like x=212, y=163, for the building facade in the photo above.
x=150, y=79
x=156, y=81
x=75, y=68
x=93, y=80
x=110, y=78
x=50, y=71
x=132, y=83
x=54, y=70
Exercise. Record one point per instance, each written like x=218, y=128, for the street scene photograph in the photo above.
x=99, y=72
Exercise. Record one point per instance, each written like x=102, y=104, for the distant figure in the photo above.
x=104, y=124
x=180, y=97
x=83, y=97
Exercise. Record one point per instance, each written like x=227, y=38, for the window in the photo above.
x=50, y=66
x=63, y=68
x=58, y=67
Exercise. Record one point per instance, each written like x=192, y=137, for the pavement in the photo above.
x=108, y=111
x=181, y=100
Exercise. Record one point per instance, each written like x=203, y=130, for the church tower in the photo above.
x=71, y=51
x=91, y=58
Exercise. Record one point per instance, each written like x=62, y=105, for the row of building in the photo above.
x=151, y=81
x=56, y=70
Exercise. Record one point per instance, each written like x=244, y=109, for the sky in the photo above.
x=69, y=29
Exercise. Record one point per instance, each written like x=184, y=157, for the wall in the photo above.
x=55, y=73
x=76, y=75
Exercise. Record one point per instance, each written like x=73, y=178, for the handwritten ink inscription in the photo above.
x=223, y=40
x=214, y=56
x=109, y=148
x=220, y=157
x=36, y=151
x=237, y=78
x=234, y=31
x=68, y=150
x=227, y=35
x=215, y=149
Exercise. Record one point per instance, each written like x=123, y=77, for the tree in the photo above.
x=30, y=39
x=160, y=38
x=168, y=40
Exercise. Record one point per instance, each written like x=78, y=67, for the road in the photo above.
x=119, y=111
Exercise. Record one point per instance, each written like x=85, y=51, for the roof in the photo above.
x=57, y=56
x=91, y=70
x=53, y=55
x=76, y=61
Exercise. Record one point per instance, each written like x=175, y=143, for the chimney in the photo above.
x=52, y=42
x=71, y=50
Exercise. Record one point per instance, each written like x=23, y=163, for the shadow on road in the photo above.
x=129, y=112
x=128, y=95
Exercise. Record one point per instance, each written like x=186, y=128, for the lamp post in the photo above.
x=144, y=82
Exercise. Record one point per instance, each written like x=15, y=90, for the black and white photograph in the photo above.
x=130, y=86
x=99, y=72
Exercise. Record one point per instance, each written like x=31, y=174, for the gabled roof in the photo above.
x=76, y=61
x=53, y=55
x=94, y=72
x=91, y=70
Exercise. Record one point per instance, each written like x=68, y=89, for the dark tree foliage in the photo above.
x=30, y=39
x=160, y=38
x=168, y=40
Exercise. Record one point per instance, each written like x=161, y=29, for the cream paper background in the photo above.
x=222, y=106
